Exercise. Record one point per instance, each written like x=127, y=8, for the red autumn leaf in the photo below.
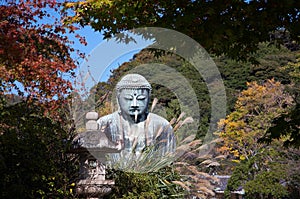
x=34, y=53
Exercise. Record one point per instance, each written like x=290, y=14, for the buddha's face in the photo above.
x=133, y=102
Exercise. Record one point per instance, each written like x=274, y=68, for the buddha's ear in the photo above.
x=148, y=90
x=118, y=92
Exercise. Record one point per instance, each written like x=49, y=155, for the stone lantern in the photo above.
x=92, y=147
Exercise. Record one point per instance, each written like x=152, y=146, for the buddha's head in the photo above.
x=133, y=94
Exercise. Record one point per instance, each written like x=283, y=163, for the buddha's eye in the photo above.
x=141, y=97
x=128, y=97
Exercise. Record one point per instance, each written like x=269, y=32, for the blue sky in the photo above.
x=104, y=55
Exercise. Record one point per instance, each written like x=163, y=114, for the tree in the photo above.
x=34, y=162
x=288, y=124
x=255, y=109
x=35, y=59
x=264, y=171
x=36, y=68
x=271, y=61
x=265, y=175
x=272, y=173
x=234, y=28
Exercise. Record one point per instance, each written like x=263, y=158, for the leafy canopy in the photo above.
x=231, y=27
x=33, y=159
x=255, y=109
x=264, y=171
x=288, y=124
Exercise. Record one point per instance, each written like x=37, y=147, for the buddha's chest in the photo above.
x=135, y=136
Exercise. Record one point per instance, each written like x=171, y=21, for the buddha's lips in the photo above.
x=134, y=109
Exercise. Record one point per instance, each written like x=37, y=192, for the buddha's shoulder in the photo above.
x=108, y=118
x=158, y=119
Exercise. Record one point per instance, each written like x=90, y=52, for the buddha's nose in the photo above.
x=134, y=103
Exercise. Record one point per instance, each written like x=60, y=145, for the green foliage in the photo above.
x=287, y=125
x=266, y=184
x=145, y=185
x=33, y=159
x=261, y=177
x=270, y=63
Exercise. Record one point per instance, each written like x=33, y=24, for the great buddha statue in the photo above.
x=133, y=126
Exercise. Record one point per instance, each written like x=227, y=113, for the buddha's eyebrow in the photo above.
x=127, y=96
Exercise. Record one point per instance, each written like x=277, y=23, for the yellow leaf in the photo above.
x=242, y=157
x=236, y=161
